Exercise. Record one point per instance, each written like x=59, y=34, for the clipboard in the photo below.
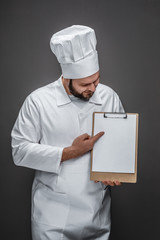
x=114, y=155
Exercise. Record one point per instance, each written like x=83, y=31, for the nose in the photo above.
x=92, y=87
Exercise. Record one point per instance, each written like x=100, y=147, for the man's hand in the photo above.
x=110, y=183
x=81, y=145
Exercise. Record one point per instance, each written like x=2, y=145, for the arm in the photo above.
x=28, y=152
x=26, y=135
x=82, y=144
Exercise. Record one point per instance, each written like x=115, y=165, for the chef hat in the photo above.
x=75, y=49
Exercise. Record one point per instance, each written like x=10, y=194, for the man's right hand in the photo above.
x=82, y=144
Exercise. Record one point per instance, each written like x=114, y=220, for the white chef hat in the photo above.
x=75, y=49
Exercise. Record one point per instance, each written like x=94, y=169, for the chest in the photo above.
x=61, y=125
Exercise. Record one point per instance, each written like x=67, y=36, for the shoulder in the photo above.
x=106, y=91
x=42, y=93
x=110, y=99
x=39, y=98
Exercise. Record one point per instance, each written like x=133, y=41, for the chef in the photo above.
x=52, y=134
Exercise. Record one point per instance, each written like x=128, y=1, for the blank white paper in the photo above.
x=115, y=150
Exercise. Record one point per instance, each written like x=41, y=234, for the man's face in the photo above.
x=84, y=88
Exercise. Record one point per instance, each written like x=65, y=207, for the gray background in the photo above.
x=128, y=35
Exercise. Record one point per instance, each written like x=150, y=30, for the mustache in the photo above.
x=88, y=92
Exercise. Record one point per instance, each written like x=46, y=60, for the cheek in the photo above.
x=84, y=90
x=77, y=88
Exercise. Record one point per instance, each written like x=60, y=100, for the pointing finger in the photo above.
x=97, y=136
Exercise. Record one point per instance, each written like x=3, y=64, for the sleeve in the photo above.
x=25, y=141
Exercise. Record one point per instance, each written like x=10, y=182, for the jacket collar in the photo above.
x=61, y=94
x=62, y=97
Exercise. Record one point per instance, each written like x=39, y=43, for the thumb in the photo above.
x=84, y=136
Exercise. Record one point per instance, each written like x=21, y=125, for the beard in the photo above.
x=88, y=94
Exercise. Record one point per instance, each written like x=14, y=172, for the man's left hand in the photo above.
x=110, y=183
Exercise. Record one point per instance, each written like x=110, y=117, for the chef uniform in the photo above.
x=66, y=205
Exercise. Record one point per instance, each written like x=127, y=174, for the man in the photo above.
x=52, y=135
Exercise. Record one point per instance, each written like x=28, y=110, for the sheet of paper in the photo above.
x=115, y=150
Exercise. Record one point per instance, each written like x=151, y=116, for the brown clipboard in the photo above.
x=112, y=176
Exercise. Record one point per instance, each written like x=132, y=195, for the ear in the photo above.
x=66, y=82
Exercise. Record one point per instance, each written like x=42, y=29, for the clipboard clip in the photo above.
x=115, y=115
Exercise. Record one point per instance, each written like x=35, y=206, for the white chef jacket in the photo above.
x=65, y=203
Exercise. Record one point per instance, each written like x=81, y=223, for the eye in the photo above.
x=84, y=85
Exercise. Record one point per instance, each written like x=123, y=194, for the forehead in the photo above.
x=89, y=79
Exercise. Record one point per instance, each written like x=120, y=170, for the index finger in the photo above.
x=97, y=136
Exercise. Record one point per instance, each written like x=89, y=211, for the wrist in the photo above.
x=68, y=153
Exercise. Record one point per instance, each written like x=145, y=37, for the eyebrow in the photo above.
x=93, y=81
